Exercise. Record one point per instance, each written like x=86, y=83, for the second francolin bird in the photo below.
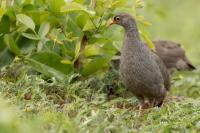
x=142, y=71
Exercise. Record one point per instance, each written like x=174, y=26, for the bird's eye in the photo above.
x=117, y=18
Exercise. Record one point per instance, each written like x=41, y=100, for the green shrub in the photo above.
x=57, y=38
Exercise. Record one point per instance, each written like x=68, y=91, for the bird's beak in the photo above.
x=113, y=22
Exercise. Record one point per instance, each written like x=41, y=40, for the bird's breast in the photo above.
x=130, y=68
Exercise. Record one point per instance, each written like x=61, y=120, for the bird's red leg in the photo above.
x=141, y=102
x=152, y=102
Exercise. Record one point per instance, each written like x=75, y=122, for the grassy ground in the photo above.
x=34, y=105
x=29, y=104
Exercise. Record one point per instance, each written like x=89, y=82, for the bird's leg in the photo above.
x=160, y=101
x=151, y=102
x=141, y=102
x=141, y=105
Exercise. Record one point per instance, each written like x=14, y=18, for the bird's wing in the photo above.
x=163, y=70
x=147, y=73
x=171, y=53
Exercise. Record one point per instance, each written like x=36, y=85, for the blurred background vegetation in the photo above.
x=175, y=20
x=32, y=101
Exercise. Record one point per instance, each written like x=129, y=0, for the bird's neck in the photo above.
x=132, y=37
x=132, y=32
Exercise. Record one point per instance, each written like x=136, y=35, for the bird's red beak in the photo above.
x=113, y=22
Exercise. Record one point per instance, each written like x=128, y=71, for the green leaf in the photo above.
x=10, y=42
x=31, y=36
x=119, y=4
x=2, y=45
x=139, y=4
x=72, y=26
x=91, y=50
x=88, y=26
x=100, y=6
x=26, y=45
x=94, y=65
x=6, y=57
x=26, y=20
x=142, y=21
x=55, y=5
x=148, y=41
x=78, y=1
x=77, y=51
x=52, y=60
x=81, y=20
x=44, y=29
x=66, y=61
x=72, y=6
x=2, y=11
x=40, y=45
x=4, y=24
x=45, y=69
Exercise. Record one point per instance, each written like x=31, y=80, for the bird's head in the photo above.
x=125, y=20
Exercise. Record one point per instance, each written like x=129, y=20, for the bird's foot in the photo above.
x=143, y=105
x=155, y=102
x=142, y=108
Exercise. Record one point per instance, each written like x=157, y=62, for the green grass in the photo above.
x=80, y=106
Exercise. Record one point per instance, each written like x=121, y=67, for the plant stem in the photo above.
x=79, y=62
x=93, y=4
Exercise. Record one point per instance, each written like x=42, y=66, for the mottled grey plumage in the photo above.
x=163, y=70
x=170, y=53
x=173, y=55
x=141, y=70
